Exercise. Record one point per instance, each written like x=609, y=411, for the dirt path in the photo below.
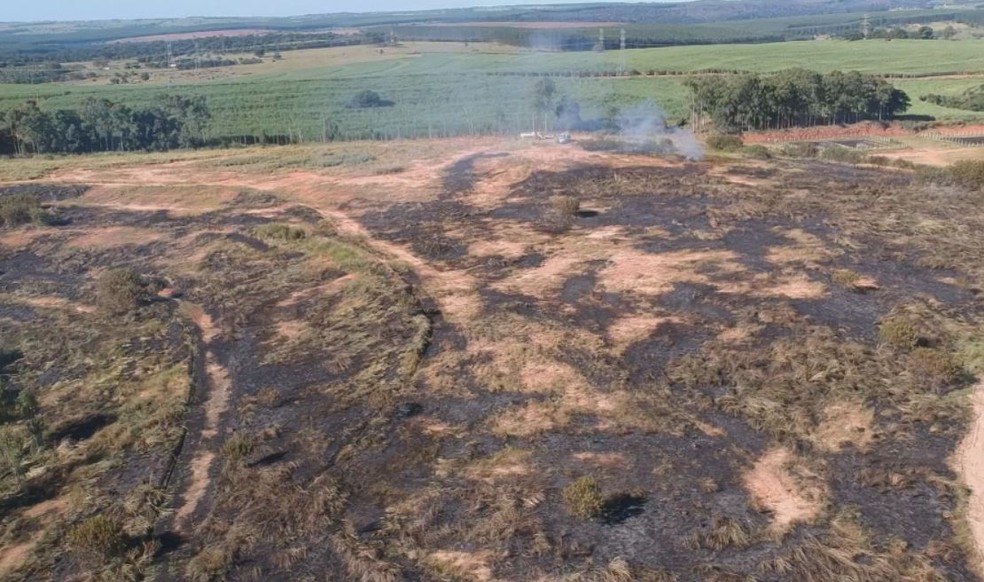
x=219, y=386
x=969, y=463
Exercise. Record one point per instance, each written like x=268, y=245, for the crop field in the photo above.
x=441, y=89
x=484, y=359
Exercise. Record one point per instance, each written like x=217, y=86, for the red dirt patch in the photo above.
x=775, y=489
x=969, y=464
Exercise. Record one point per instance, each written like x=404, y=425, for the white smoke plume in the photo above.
x=643, y=128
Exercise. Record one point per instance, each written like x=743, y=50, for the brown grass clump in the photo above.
x=899, y=332
x=583, y=498
x=845, y=277
x=209, y=564
x=120, y=290
x=565, y=205
x=237, y=447
x=725, y=532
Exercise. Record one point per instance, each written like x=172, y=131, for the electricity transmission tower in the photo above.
x=865, y=26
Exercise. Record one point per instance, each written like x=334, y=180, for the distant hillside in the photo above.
x=650, y=24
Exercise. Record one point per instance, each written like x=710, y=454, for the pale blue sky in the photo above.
x=32, y=10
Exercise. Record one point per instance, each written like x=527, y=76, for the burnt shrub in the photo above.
x=120, y=290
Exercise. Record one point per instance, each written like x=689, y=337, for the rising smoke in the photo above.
x=643, y=128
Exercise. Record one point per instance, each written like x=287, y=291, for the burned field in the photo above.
x=540, y=364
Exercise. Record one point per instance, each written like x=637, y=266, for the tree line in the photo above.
x=101, y=125
x=792, y=98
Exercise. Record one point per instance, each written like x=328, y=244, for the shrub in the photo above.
x=237, y=447
x=758, y=152
x=20, y=209
x=845, y=277
x=583, y=498
x=284, y=232
x=934, y=365
x=968, y=174
x=565, y=205
x=13, y=450
x=899, y=332
x=120, y=290
x=97, y=539
x=801, y=150
x=839, y=154
x=209, y=564
x=367, y=99
x=724, y=142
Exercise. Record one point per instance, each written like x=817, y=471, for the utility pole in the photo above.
x=621, y=49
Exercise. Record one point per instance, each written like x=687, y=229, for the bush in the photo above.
x=20, y=209
x=801, y=150
x=845, y=155
x=583, y=498
x=97, y=539
x=565, y=205
x=935, y=366
x=968, y=174
x=758, y=152
x=724, y=142
x=283, y=232
x=845, y=277
x=237, y=447
x=13, y=450
x=209, y=564
x=120, y=290
x=899, y=332
x=367, y=99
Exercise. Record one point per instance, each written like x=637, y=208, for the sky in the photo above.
x=33, y=10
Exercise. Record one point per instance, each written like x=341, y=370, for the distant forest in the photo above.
x=101, y=125
x=792, y=98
